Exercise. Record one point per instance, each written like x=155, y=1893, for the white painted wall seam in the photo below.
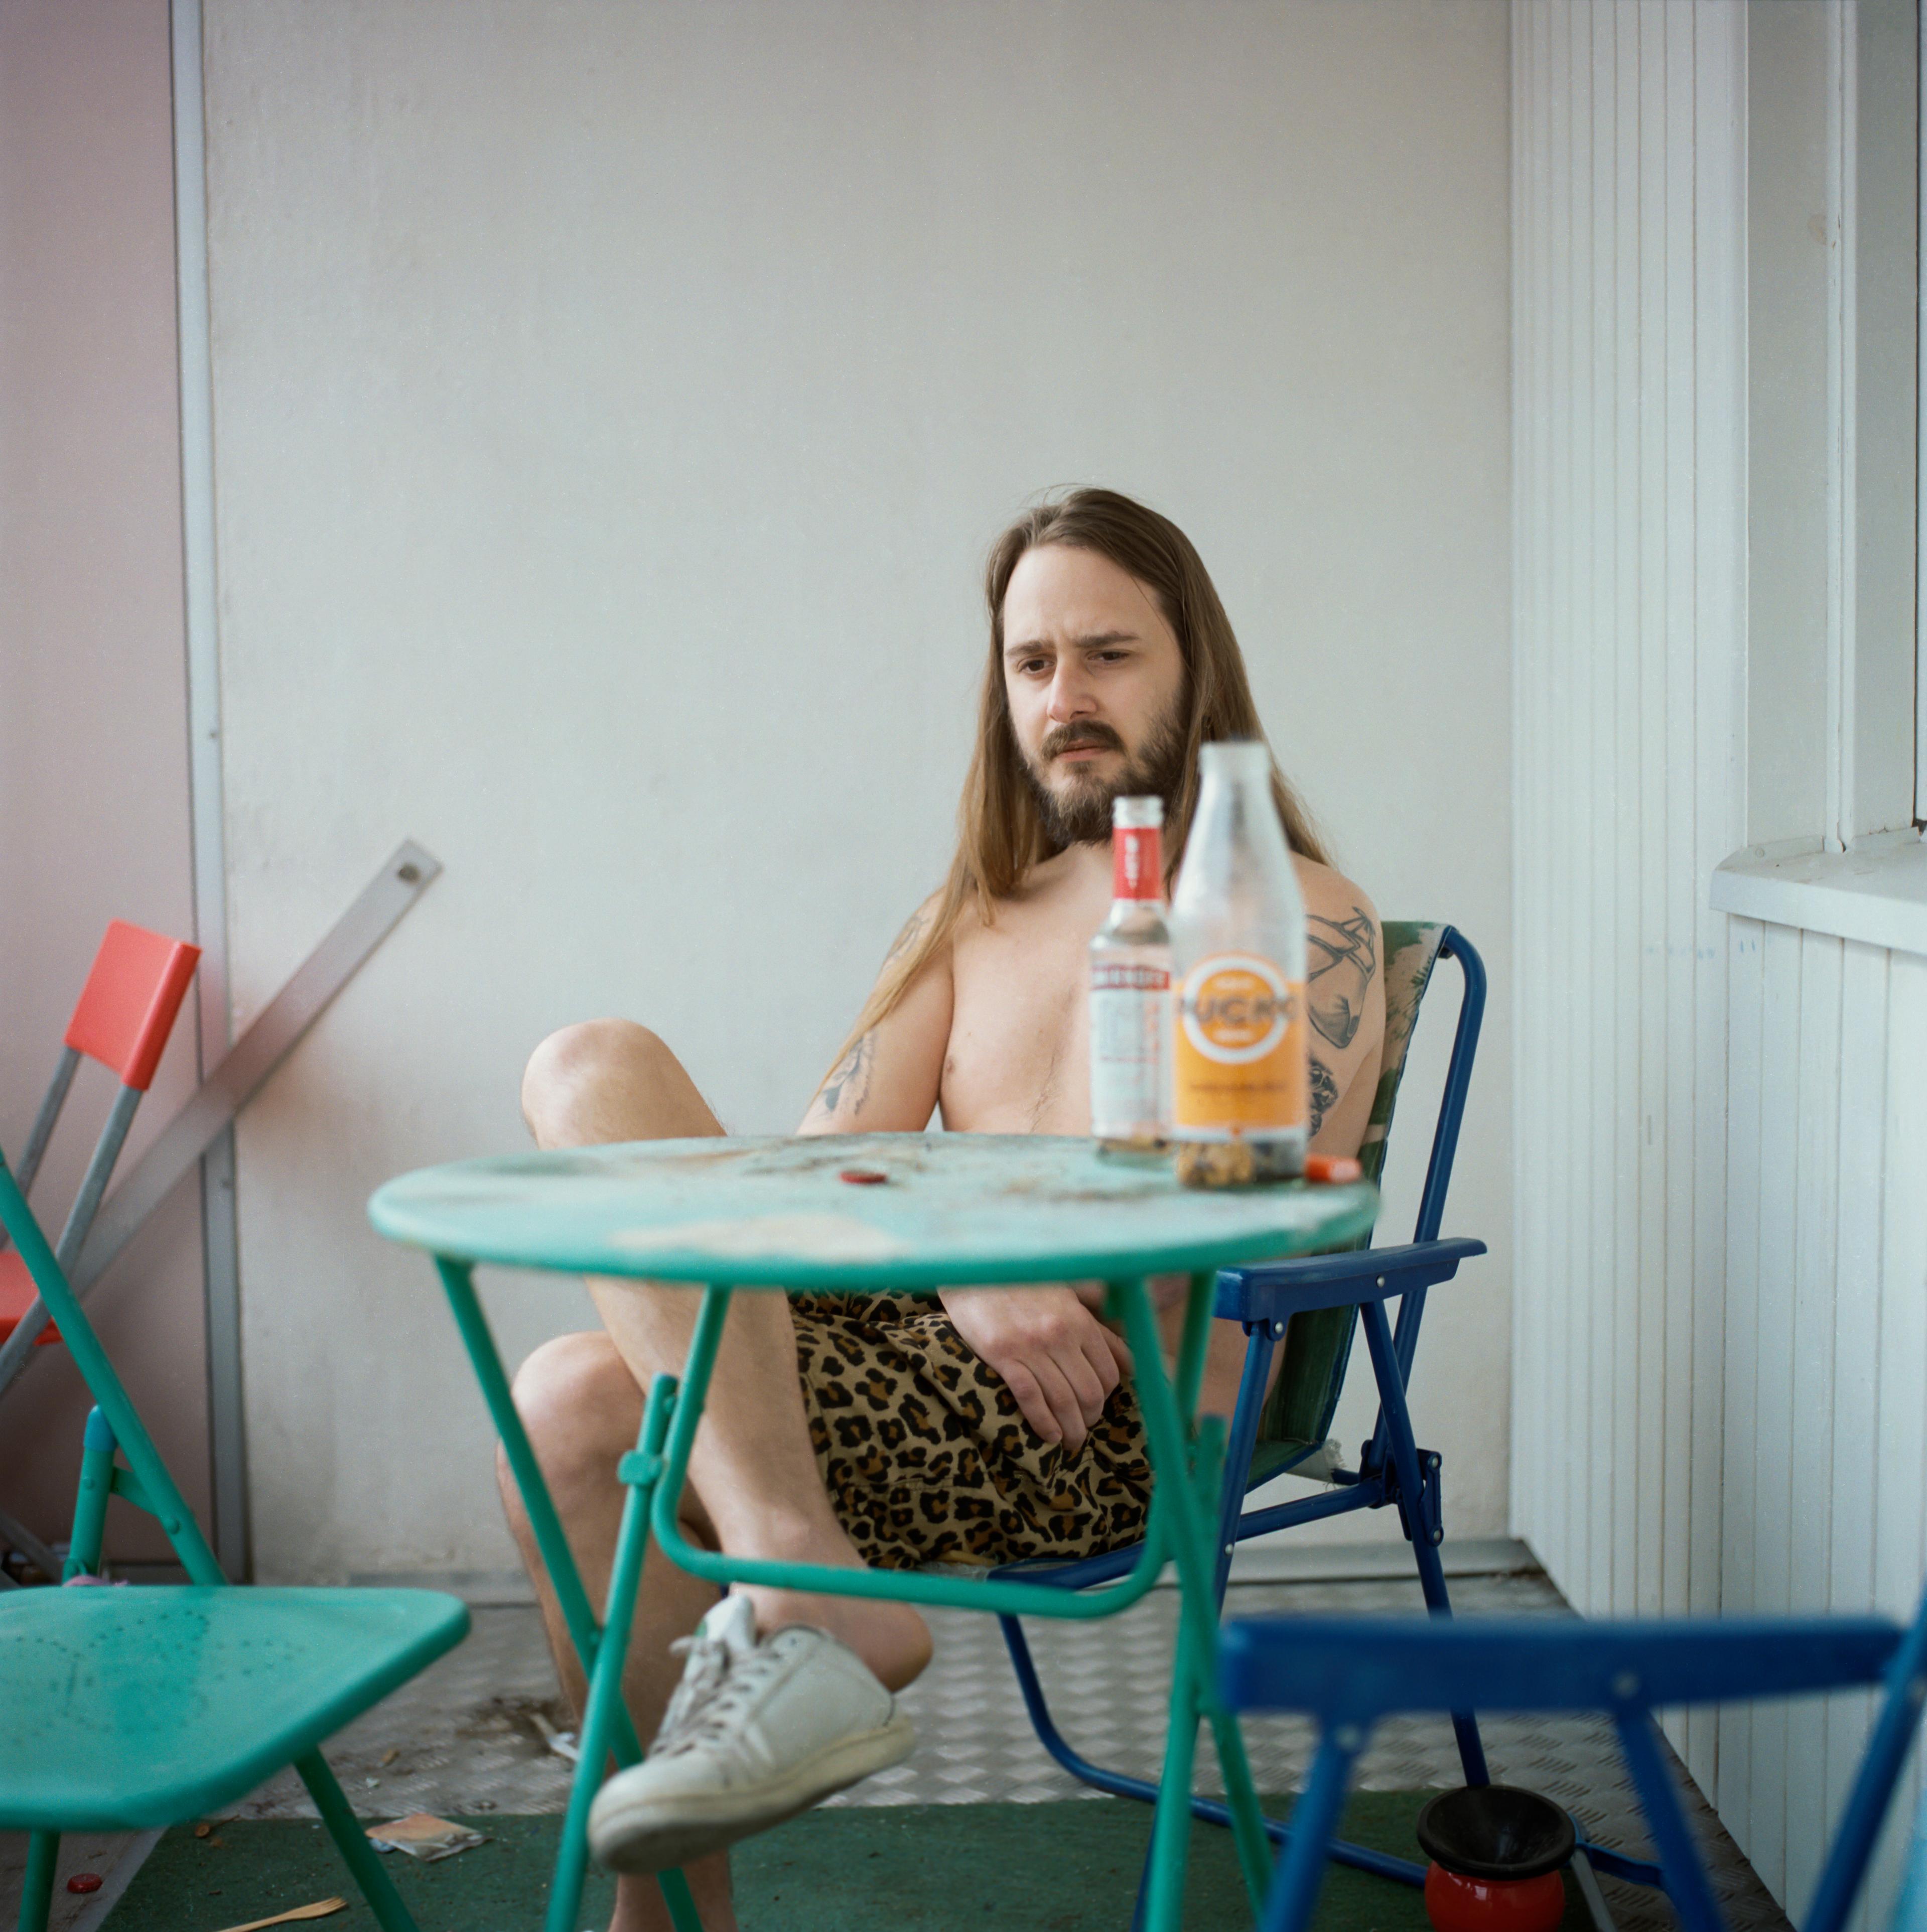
x=208, y=803
x=1920, y=459
x=1842, y=548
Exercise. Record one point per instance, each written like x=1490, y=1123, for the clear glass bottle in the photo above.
x=1241, y=1057
x=1130, y=989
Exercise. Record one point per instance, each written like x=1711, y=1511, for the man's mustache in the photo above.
x=1075, y=737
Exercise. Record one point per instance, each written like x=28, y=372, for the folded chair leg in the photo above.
x=1397, y=1421
x=361, y=1858
x=14, y=1531
x=37, y=1894
x=1301, y=1871
x=1685, y=1877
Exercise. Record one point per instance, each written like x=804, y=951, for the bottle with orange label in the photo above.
x=1241, y=1060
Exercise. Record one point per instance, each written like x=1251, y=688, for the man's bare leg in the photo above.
x=753, y=1474
x=582, y=1409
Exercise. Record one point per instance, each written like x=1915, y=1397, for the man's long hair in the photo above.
x=1000, y=832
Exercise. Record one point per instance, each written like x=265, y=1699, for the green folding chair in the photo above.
x=123, y=1709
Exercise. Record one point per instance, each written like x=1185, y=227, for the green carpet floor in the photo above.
x=1065, y=1868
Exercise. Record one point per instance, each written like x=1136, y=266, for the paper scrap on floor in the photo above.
x=423, y=1836
x=562, y=1743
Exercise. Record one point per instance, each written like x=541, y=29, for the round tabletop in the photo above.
x=863, y=1211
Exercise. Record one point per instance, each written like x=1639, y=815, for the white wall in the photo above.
x=93, y=710
x=1826, y=1462
x=613, y=407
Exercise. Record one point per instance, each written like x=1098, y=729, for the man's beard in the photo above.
x=1080, y=814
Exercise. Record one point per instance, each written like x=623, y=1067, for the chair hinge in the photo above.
x=125, y=1483
x=639, y=1468
x=1430, y=1511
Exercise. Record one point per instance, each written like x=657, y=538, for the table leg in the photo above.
x=606, y=1725
x=1171, y=1831
x=604, y=1705
x=458, y=1282
x=1194, y=1668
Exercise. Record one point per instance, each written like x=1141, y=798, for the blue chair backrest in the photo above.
x=1298, y=1414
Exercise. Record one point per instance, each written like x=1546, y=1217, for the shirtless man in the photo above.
x=990, y=1424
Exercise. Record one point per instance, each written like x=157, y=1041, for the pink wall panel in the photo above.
x=94, y=800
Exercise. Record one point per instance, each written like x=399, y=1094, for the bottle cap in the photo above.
x=1237, y=757
x=1137, y=848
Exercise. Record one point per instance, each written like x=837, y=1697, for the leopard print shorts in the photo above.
x=928, y=1458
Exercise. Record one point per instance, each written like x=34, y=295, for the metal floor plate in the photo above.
x=466, y=1736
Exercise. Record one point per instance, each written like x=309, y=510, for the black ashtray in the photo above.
x=1496, y=1831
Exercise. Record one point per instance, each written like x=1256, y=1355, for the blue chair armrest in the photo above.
x=1271, y=1291
x=1330, y=1666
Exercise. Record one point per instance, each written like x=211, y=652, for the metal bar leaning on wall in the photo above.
x=239, y=1077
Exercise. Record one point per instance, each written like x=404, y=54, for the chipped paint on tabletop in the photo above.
x=817, y=1237
x=935, y=1210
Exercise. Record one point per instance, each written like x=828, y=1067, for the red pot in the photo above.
x=1454, y=1902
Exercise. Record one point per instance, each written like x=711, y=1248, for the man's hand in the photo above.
x=1055, y=1357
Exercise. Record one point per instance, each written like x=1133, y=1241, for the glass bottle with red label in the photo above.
x=1131, y=988
x=1240, y=1054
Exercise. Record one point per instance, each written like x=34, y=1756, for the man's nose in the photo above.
x=1071, y=696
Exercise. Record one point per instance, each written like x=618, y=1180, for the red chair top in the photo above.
x=128, y=1006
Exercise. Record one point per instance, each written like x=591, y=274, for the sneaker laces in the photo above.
x=718, y=1681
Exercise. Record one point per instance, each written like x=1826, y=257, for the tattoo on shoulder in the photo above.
x=1324, y=1094
x=849, y=1080
x=912, y=931
x=1342, y=956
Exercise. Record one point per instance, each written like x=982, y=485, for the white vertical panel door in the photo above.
x=1721, y=1177
x=1628, y=658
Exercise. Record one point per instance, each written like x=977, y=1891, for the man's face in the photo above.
x=1096, y=686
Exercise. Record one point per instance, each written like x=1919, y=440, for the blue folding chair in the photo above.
x=1314, y=1306
x=121, y=1709
x=1911, y=1914
x=1322, y=1666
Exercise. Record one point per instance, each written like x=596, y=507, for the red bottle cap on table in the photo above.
x=1331, y=1167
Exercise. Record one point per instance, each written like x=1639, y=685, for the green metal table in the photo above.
x=811, y=1213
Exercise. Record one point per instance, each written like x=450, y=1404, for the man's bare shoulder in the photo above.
x=911, y=933
x=1329, y=893
x=1345, y=947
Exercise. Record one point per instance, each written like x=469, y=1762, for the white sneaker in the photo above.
x=756, y=1731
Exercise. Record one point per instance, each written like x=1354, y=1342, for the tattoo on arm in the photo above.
x=1342, y=956
x=850, y=1079
x=1324, y=1094
x=912, y=931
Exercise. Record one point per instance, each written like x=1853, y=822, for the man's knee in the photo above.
x=577, y=1064
x=580, y=1407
